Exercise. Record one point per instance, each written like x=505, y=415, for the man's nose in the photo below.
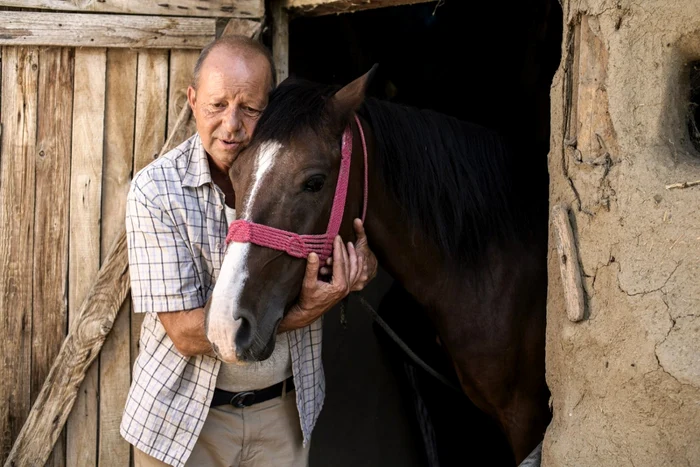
x=232, y=120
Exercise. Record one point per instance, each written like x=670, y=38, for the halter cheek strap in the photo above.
x=297, y=245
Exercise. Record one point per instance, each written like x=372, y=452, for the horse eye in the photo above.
x=314, y=184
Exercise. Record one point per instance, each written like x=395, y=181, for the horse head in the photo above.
x=285, y=183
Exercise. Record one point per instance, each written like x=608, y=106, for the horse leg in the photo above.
x=519, y=407
x=524, y=419
x=502, y=370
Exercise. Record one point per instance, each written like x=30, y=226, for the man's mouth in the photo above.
x=229, y=144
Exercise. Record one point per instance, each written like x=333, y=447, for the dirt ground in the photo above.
x=625, y=380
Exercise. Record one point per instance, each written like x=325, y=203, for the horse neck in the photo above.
x=412, y=258
x=405, y=253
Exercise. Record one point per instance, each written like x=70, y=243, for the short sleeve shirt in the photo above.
x=176, y=229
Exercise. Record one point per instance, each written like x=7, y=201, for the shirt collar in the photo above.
x=198, y=172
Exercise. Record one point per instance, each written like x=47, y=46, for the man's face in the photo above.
x=231, y=94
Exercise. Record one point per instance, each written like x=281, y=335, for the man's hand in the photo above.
x=317, y=296
x=366, y=259
x=353, y=267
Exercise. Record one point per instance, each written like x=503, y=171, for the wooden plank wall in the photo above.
x=83, y=106
x=77, y=123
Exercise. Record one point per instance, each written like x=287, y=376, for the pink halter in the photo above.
x=296, y=245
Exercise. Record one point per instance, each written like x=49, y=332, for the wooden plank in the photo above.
x=91, y=30
x=246, y=27
x=85, y=203
x=79, y=350
x=328, y=7
x=151, y=106
x=51, y=217
x=209, y=8
x=569, y=267
x=115, y=361
x=182, y=64
x=17, y=184
x=151, y=112
x=280, y=40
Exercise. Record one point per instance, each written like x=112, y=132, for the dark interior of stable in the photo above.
x=491, y=63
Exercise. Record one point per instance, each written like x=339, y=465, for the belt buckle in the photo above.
x=243, y=399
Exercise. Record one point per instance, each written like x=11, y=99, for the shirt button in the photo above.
x=218, y=245
x=221, y=207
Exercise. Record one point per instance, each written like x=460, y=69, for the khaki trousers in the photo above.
x=267, y=434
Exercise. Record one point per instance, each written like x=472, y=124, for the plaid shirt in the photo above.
x=176, y=227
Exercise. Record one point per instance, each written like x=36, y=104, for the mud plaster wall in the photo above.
x=625, y=380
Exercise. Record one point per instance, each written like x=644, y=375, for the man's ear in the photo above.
x=191, y=97
x=349, y=98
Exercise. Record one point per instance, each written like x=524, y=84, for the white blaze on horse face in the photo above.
x=222, y=326
x=263, y=163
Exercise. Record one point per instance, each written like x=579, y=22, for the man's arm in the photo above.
x=162, y=270
x=186, y=330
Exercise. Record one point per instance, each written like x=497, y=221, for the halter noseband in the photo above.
x=294, y=244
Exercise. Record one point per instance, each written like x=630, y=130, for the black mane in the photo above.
x=456, y=181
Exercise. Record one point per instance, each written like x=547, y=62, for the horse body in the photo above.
x=489, y=315
x=447, y=218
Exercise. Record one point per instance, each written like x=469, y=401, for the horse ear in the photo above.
x=348, y=99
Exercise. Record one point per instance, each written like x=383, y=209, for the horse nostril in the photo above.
x=244, y=333
x=245, y=336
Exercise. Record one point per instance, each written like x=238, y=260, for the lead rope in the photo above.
x=396, y=338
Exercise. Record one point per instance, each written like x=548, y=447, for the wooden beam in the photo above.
x=280, y=40
x=79, y=350
x=90, y=30
x=328, y=7
x=209, y=8
x=569, y=267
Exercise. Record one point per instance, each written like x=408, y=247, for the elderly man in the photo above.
x=183, y=408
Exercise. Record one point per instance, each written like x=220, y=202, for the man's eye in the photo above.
x=252, y=111
x=314, y=184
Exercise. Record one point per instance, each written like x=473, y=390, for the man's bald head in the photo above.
x=247, y=47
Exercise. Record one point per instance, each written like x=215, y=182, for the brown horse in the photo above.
x=449, y=216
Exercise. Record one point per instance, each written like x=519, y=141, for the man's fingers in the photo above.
x=326, y=268
x=359, y=231
x=339, y=263
x=357, y=281
x=311, y=274
x=361, y=268
x=352, y=273
x=346, y=261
